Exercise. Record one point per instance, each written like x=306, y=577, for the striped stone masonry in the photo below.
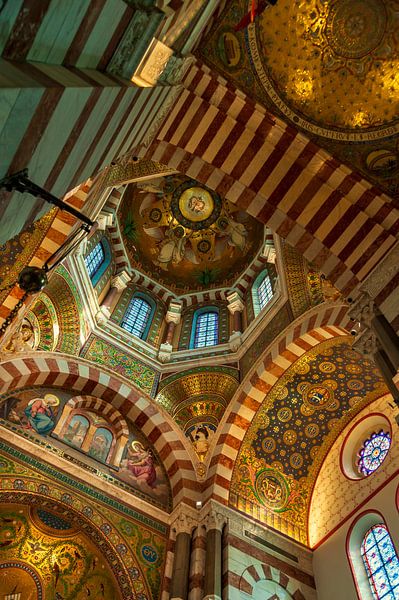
x=58, y=370
x=224, y=140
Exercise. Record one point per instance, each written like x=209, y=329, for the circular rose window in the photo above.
x=366, y=446
x=373, y=452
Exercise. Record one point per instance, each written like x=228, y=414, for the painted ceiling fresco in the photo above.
x=44, y=555
x=330, y=67
x=296, y=425
x=83, y=436
x=185, y=236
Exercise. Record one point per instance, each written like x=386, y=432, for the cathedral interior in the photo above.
x=199, y=299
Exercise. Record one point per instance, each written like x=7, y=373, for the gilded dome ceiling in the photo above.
x=328, y=67
x=332, y=63
x=186, y=236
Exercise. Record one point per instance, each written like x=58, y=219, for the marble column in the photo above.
x=214, y=523
x=183, y=527
x=197, y=564
x=172, y=319
x=236, y=307
x=118, y=284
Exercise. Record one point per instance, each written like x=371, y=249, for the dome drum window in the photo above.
x=205, y=330
x=137, y=317
x=95, y=259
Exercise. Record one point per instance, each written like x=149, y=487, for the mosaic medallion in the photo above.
x=272, y=489
x=195, y=207
x=355, y=28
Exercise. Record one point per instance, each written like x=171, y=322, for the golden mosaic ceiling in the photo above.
x=333, y=62
x=329, y=67
x=296, y=425
x=185, y=236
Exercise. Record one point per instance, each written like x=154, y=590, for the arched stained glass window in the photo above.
x=373, y=452
x=206, y=329
x=265, y=291
x=262, y=291
x=381, y=563
x=95, y=259
x=137, y=317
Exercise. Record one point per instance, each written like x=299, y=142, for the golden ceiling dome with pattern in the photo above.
x=331, y=65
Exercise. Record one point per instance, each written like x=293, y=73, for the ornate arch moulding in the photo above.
x=322, y=323
x=84, y=377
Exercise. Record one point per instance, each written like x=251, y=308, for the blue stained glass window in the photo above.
x=206, y=330
x=381, y=563
x=95, y=259
x=136, y=317
x=373, y=452
x=265, y=291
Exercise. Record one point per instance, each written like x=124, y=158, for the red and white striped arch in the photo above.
x=330, y=214
x=263, y=572
x=84, y=378
x=313, y=328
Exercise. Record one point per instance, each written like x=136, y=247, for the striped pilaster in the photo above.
x=197, y=565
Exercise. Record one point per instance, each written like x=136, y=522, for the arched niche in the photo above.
x=113, y=422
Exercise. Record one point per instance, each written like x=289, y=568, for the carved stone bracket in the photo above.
x=367, y=343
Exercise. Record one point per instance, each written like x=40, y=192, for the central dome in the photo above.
x=185, y=236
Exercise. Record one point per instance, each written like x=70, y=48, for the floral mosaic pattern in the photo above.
x=106, y=354
x=294, y=428
x=134, y=545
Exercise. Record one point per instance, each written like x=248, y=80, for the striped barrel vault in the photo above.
x=59, y=370
x=331, y=215
x=314, y=327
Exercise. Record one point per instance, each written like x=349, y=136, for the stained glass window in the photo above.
x=95, y=259
x=265, y=291
x=206, y=330
x=136, y=317
x=381, y=563
x=373, y=452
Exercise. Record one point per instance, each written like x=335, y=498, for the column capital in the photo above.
x=120, y=280
x=214, y=520
x=235, y=303
x=104, y=220
x=367, y=343
x=174, y=312
x=363, y=310
x=184, y=521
